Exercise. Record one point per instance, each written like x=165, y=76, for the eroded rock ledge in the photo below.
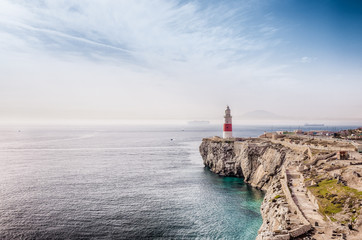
x=261, y=163
x=310, y=193
x=258, y=161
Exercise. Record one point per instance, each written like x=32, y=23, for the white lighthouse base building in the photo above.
x=227, y=134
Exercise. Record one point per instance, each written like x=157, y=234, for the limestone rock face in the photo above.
x=277, y=216
x=218, y=156
x=260, y=163
x=257, y=161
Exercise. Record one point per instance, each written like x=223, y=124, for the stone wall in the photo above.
x=306, y=225
x=299, y=147
x=312, y=198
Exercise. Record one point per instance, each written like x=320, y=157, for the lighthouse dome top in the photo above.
x=227, y=111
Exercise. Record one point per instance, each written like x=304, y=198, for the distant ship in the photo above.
x=198, y=122
x=313, y=125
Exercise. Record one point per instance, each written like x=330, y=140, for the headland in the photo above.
x=313, y=184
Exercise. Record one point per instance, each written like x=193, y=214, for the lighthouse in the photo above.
x=228, y=128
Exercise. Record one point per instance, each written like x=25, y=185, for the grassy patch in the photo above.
x=307, y=179
x=333, y=197
x=278, y=196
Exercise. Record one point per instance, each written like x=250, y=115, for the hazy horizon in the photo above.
x=177, y=61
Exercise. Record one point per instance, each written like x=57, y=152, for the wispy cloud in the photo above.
x=113, y=57
x=150, y=33
x=306, y=59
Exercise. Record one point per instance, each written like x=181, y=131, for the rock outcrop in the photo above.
x=260, y=162
x=310, y=193
x=256, y=160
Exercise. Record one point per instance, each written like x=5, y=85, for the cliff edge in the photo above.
x=291, y=208
x=256, y=160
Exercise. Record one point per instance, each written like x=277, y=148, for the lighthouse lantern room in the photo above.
x=228, y=129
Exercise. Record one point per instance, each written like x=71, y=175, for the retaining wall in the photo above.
x=304, y=147
x=306, y=225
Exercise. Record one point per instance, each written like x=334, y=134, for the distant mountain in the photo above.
x=261, y=115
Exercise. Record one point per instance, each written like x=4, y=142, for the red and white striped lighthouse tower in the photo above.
x=228, y=128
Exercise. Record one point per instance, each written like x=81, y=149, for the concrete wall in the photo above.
x=312, y=198
x=304, y=147
x=294, y=207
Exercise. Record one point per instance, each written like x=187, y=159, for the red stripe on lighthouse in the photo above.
x=228, y=127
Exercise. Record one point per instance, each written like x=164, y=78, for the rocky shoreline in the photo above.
x=289, y=209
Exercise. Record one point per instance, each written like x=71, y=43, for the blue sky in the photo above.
x=179, y=60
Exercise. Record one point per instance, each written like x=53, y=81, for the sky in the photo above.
x=173, y=60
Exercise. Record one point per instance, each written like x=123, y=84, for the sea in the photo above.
x=121, y=182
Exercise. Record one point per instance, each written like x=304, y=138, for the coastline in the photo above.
x=289, y=210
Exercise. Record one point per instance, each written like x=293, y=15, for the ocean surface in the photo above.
x=121, y=182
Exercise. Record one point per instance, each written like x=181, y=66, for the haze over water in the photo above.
x=118, y=182
x=180, y=60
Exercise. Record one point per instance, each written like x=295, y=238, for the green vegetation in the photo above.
x=308, y=179
x=278, y=196
x=274, y=199
x=334, y=197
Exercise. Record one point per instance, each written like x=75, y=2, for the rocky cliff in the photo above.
x=310, y=192
x=256, y=160
x=260, y=162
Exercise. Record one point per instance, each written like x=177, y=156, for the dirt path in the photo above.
x=310, y=211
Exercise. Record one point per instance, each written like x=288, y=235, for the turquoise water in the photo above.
x=119, y=183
